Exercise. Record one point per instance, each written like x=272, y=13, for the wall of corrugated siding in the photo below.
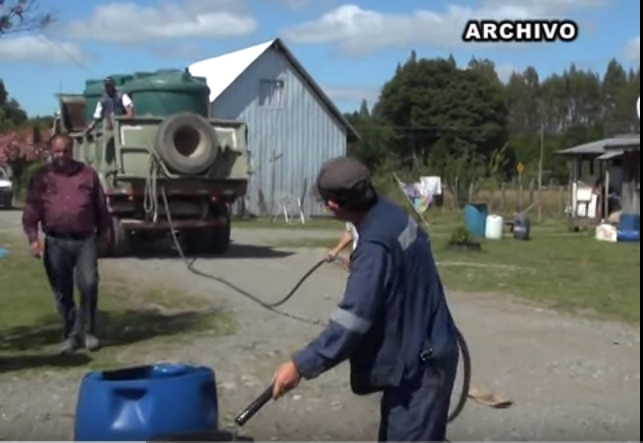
x=303, y=133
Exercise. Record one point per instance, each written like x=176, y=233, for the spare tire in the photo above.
x=187, y=143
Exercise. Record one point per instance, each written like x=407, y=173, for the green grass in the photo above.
x=441, y=222
x=572, y=272
x=133, y=320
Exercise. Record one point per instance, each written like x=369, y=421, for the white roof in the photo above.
x=220, y=72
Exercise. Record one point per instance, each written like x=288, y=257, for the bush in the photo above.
x=22, y=182
x=463, y=240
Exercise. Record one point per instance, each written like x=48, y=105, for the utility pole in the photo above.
x=541, y=161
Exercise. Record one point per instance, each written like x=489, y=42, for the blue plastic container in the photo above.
x=629, y=222
x=136, y=404
x=629, y=236
x=475, y=219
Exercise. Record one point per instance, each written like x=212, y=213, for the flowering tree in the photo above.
x=22, y=144
x=19, y=149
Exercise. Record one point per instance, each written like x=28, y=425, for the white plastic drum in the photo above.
x=494, y=228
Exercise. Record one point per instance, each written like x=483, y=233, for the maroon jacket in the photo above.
x=65, y=202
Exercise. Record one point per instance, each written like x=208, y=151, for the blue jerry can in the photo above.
x=136, y=404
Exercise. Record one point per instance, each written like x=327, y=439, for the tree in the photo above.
x=445, y=120
x=21, y=140
x=21, y=16
x=11, y=114
x=436, y=118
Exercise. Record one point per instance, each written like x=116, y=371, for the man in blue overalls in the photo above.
x=113, y=103
x=393, y=323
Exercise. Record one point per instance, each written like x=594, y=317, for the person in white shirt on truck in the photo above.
x=112, y=104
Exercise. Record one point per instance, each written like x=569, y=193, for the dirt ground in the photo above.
x=571, y=379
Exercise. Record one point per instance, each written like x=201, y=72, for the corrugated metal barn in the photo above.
x=293, y=126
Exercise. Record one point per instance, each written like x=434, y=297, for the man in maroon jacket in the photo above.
x=65, y=199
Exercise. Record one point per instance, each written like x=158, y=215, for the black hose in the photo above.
x=262, y=400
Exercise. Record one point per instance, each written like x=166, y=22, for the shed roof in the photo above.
x=612, y=154
x=599, y=147
x=222, y=71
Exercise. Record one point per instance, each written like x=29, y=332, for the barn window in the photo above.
x=271, y=94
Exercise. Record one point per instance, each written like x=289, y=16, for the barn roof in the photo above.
x=600, y=147
x=220, y=72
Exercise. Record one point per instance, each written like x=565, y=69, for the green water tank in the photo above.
x=94, y=90
x=169, y=92
x=140, y=75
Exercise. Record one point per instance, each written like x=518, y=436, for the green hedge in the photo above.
x=21, y=180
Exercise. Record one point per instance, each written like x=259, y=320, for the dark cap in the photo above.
x=109, y=81
x=342, y=176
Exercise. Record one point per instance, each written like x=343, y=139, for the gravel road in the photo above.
x=571, y=379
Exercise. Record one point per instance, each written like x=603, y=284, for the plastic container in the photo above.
x=629, y=236
x=169, y=92
x=522, y=228
x=629, y=222
x=494, y=227
x=475, y=219
x=94, y=90
x=136, y=404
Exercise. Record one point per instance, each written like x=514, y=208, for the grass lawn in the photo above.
x=441, y=222
x=134, y=320
x=572, y=272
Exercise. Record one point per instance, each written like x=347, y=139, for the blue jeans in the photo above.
x=418, y=410
x=69, y=261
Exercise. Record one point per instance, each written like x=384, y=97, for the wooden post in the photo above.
x=540, y=174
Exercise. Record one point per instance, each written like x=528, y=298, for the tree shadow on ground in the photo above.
x=22, y=362
x=24, y=347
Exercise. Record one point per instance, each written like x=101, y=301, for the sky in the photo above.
x=351, y=49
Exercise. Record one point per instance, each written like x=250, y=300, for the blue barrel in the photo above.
x=475, y=219
x=136, y=404
x=629, y=222
x=629, y=236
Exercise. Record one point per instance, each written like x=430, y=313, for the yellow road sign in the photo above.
x=520, y=168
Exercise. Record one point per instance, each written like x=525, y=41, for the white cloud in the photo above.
x=633, y=50
x=39, y=48
x=122, y=22
x=345, y=93
x=356, y=30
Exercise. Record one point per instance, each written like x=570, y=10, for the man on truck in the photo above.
x=112, y=104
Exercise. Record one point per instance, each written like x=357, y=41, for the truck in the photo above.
x=171, y=170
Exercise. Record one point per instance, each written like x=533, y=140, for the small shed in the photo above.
x=631, y=181
x=293, y=126
x=610, y=165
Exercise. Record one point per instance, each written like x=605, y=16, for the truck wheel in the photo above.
x=197, y=241
x=118, y=241
x=6, y=201
x=222, y=236
x=187, y=143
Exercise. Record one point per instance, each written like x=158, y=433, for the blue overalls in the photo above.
x=394, y=326
x=112, y=105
